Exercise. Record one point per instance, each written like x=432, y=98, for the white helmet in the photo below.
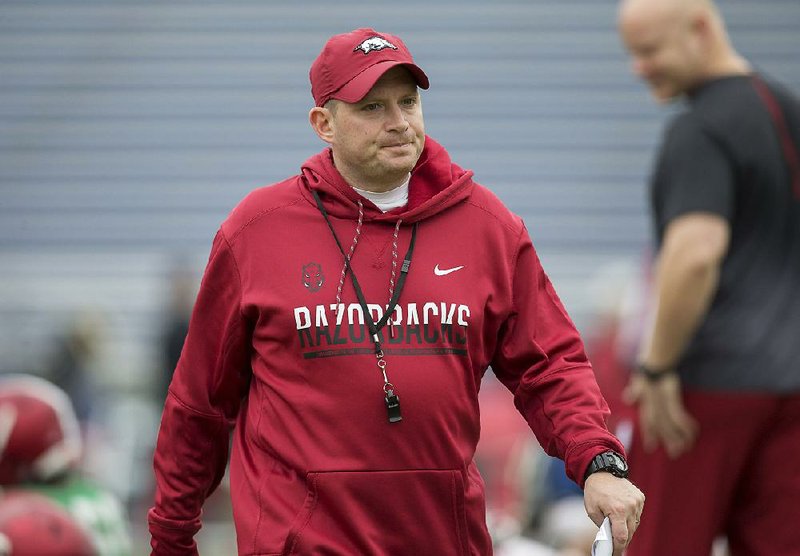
x=39, y=434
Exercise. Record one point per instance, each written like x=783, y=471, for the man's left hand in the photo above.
x=663, y=418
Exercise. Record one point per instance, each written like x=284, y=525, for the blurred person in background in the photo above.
x=42, y=452
x=351, y=372
x=182, y=291
x=718, y=387
x=34, y=525
x=69, y=364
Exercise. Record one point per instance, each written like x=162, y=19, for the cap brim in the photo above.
x=358, y=87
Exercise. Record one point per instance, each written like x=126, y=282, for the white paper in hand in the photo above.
x=603, y=544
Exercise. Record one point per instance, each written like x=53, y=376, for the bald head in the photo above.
x=666, y=12
x=676, y=44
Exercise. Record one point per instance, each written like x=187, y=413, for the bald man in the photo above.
x=717, y=449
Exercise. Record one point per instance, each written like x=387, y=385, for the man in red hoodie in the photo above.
x=342, y=328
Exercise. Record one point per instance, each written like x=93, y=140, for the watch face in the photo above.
x=610, y=462
x=617, y=461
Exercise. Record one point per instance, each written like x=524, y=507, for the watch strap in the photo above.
x=652, y=374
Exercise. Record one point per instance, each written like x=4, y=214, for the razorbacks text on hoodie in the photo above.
x=438, y=324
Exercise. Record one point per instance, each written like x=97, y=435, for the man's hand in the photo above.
x=662, y=415
x=607, y=495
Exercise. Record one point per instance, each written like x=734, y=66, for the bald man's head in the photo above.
x=667, y=5
x=673, y=43
x=669, y=12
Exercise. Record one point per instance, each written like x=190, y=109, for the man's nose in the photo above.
x=396, y=118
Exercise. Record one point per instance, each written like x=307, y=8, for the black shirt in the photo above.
x=727, y=156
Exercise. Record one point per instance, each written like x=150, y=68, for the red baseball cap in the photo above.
x=351, y=63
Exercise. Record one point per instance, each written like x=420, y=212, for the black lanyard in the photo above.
x=391, y=399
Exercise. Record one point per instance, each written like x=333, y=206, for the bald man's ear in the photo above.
x=321, y=120
x=701, y=24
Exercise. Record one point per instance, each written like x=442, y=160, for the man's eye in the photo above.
x=411, y=101
x=371, y=107
x=648, y=51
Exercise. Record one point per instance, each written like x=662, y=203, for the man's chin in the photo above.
x=403, y=163
x=399, y=151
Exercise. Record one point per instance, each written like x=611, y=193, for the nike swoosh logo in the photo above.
x=439, y=272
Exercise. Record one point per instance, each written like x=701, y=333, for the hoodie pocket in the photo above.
x=381, y=513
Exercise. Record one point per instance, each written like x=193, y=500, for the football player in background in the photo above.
x=34, y=525
x=40, y=453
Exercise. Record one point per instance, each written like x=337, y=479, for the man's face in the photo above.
x=378, y=140
x=664, y=49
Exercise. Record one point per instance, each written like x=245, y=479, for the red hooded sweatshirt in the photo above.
x=316, y=466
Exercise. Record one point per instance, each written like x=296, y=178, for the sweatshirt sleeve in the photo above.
x=541, y=359
x=209, y=382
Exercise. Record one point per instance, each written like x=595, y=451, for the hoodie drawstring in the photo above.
x=350, y=255
x=394, y=273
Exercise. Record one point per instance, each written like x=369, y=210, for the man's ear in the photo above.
x=702, y=26
x=321, y=120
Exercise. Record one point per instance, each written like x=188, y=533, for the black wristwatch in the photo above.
x=652, y=374
x=610, y=462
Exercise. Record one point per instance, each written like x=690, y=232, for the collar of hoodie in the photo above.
x=436, y=184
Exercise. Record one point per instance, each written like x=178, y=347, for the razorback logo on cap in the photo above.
x=374, y=43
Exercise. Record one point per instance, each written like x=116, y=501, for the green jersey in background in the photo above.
x=95, y=509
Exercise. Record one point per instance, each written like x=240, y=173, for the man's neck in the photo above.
x=387, y=200
x=383, y=187
x=728, y=63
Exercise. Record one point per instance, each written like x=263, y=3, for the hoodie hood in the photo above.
x=436, y=184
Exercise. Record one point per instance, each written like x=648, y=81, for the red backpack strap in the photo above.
x=787, y=144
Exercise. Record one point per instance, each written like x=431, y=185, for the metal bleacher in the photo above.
x=129, y=129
